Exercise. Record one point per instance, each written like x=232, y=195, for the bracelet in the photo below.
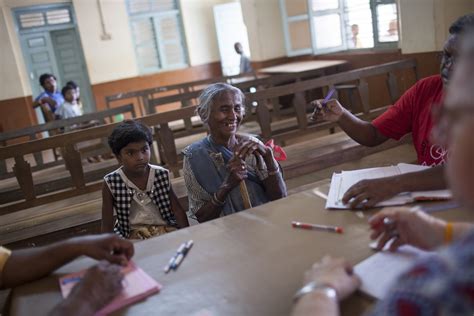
x=216, y=201
x=448, y=232
x=327, y=290
x=274, y=172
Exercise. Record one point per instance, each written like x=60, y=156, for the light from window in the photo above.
x=58, y=16
x=322, y=5
x=358, y=24
x=28, y=20
x=325, y=39
x=387, y=22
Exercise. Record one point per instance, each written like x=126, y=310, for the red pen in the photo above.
x=335, y=229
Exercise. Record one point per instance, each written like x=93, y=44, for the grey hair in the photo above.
x=209, y=94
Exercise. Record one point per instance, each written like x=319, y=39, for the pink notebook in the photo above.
x=137, y=285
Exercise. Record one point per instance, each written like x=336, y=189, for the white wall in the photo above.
x=265, y=29
x=200, y=31
x=425, y=23
x=106, y=60
x=10, y=81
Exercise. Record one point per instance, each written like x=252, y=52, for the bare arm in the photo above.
x=34, y=263
x=210, y=210
x=181, y=218
x=361, y=131
x=316, y=303
x=274, y=184
x=107, y=210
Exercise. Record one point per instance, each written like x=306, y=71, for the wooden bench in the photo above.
x=141, y=98
x=77, y=182
x=60, y=126
x=302, y=125
x=81, y=214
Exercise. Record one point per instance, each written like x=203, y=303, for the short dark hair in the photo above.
x=44, y=77
x=461, y=24
x=66, y=88
x=72, y=84
x=129, y=131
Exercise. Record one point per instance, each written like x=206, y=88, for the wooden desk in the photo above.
x=302, y=66
x=249, y=263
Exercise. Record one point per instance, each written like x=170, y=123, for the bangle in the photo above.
x=274, y=172
x=327, y=290
x=448, y=232
x=216, y=201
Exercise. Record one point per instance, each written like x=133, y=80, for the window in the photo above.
x=157, y=34
x=33, y=18
x=323, y=26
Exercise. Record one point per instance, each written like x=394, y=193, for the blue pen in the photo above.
x=325, y=101
x=183, y=254
x=172, y=261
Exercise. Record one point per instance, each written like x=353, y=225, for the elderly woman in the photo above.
x=215, y=166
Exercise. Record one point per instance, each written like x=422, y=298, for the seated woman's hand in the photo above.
x=252, y=147
x=237, y=172
x=406, y=226
x=336, y=273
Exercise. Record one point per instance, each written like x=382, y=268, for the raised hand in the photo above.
x=237, y=172
x=331, y=111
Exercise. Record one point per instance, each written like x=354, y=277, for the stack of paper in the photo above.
x=341, y=182
x=137, y=285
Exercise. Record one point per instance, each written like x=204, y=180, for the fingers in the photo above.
x=248, y=148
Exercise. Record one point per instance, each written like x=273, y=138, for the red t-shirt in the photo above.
x=412, y=114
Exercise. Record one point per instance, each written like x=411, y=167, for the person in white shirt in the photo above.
x=69, y=108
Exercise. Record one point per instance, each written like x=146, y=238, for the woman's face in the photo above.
x=226, y=115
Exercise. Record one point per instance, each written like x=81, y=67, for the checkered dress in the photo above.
x=123, y=195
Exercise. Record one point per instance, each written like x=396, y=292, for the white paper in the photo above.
x=380, y=271
x=341, y=182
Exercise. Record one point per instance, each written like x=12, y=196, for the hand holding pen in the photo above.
x=328, y=109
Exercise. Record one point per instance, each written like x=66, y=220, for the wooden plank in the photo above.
x=56, y=124
x=392, y=87
x=72, y=158
x=24, y=177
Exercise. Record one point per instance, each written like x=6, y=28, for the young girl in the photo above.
x=140, y=193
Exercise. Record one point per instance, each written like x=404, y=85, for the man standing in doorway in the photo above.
x=245, y=66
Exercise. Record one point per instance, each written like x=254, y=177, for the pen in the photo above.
x=335, y=229
x=182, y=254
x=328, y=96
x=181, y=248
x=325, y=101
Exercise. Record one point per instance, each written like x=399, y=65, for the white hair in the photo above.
x=208, y=95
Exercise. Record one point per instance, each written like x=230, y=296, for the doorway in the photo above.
x=50, y=44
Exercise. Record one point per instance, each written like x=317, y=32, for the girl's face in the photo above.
x=70, y=96
x=135, y=157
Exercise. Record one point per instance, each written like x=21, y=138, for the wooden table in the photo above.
x=302, y=66
x=249, y=263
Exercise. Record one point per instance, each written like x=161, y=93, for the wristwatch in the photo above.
x=327, y=290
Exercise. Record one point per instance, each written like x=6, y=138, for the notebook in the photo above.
x=137, y=285
x=342, y=181
x=380, y=271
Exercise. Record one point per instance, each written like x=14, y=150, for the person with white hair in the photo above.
x=215, y=166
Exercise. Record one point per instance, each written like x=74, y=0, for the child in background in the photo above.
x=78, y=94
x=140, y=193
x=69, y=108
